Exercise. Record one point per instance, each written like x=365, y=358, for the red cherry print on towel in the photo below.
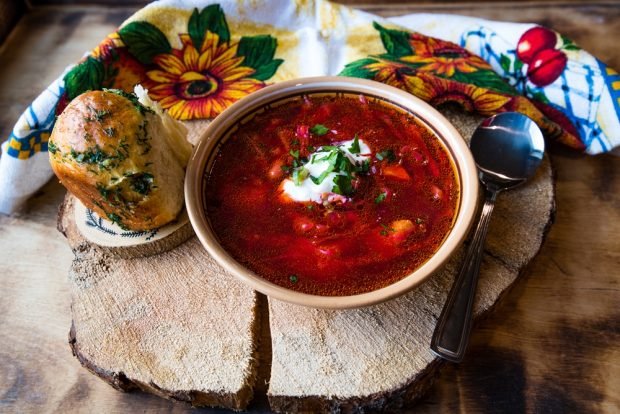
x=547, y=66
x=533, y=41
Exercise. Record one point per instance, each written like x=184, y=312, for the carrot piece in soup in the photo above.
x=395, y=171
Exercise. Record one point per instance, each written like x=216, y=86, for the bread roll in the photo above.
x=121, y=158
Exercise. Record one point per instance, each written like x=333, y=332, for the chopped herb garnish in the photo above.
x=114, y=218
x=294, y=142
x=103, y=190
x=310, y=207
x=318, y=180
x=385, y=229
x=419, y=221
x=294, y=154
x=310, y=148
x=96, y=156
x=143, y=138
x=51, y=147
x=299, y=174
x=123, y=147
x=141, y=183
x=133, y=98
x=113, y=195
x=355, y=146
x=386, y=155
x=97, y=114
x=338, y=163
x=285, y=168
x=342, y=168
x=342, y=185
x=380, y=198
x=293, y=278
x=109, y=131
x=364, y=167
x=319, y=130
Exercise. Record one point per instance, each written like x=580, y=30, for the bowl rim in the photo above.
x=451, y=138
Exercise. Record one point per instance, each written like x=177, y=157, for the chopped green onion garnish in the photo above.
x=299, y=175
x=342, y=185
x=51, y=147
x=387, y=154
x=319, y=130
x=364, y=167
x=318, y=180
x=355, y=146
x=385, y=229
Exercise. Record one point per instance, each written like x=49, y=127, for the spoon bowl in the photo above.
x=507, y=149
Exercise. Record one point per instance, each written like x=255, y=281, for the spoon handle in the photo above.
x=452, y=331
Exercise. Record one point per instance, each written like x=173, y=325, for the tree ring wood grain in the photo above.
x=174, y=324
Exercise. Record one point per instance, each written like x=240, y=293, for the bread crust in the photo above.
x=112, y=154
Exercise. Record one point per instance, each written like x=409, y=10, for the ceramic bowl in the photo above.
x=200, y=164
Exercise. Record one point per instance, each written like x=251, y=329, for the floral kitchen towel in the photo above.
x=566, y=83
x=198, y=57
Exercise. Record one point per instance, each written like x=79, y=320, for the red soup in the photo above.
x=332, y=195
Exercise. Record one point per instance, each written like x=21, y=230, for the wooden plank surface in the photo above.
x=550, y=346
x=10, y=12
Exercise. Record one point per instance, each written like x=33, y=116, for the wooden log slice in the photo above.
x=174, y=324
x=177, y=325
x=379, y=357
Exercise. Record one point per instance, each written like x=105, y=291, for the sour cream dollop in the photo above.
x=307, y=190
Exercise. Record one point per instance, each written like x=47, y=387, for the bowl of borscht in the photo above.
x=331, y=192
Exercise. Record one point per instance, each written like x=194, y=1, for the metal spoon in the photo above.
x=507, y=148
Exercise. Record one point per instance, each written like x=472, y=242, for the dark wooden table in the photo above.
x=551, y=345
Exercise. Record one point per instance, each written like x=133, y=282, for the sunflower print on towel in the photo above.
x=441, y=72
x=198, y=81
